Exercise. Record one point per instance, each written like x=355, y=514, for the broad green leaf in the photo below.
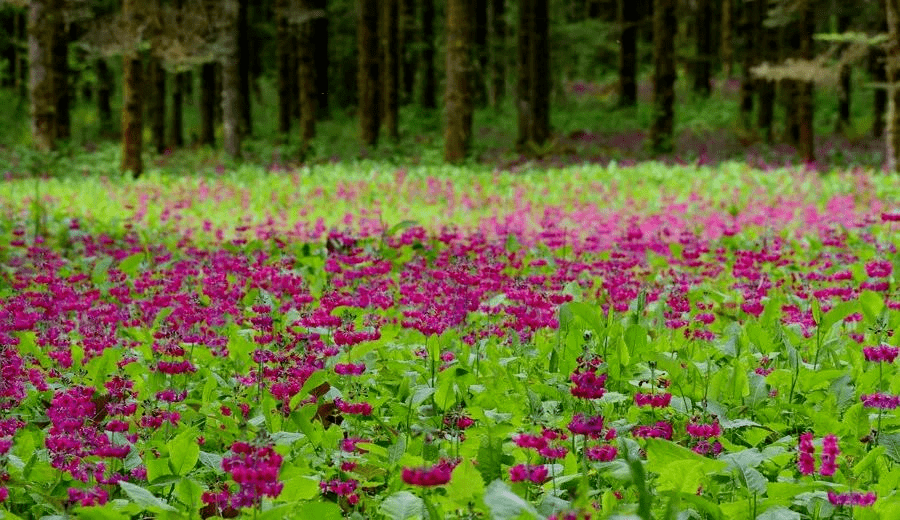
x=403, y=505
x=872, y=304
x=870, y=458
x=131, y=264
x=299, y=488
x=778, y=513
x=465, y=485
x=184, y=451
x=144, y=498
x=211, y=460
x=188, y=492
x=891, y=444
x=506, y=505
x=320, y=511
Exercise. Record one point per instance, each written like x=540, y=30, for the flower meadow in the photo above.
x=652, y=342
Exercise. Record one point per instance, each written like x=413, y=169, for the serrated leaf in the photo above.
x=504, y=504
x=212, y=461
x=403, y=505
x=891, y=443
x=184, y=452
x=490, y=458
x=869, y=459
x=465, y=484
x=144, y=498
x=754, y=480
x=778, y=513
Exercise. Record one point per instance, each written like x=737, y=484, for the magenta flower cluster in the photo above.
x=853, y=498
x=881, y=353
x=255, y=470
x=341, y=488
x=436, y=475
x=880, y=401
x=653, y=400
x=522, y=472
x=806, y=460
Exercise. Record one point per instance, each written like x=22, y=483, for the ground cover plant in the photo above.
x=371, y=342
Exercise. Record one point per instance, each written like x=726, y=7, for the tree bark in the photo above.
x=629, y=17
x=232, y=113
x=749, y=26
x=367, y=45
x=176, y=123
x=458, y=95
x=497, y=46
x=726, y=47
x=208, y=89
x=892, y=132
x=429, y=79
x=480, y=54
x=704, y=48
x=284, y=47
x=156, y=106
x=534, y=75
x=879, y=74
x=845, y=74
x=320, y=56
x=105, y=86
x=389, y=67
x=132, y=100
x=61, y=77
x=244, y=64
x=805, y=105
x=765, y=113
x=664, y=75
x=40, y=80
x=306, y=76
x=407, y=50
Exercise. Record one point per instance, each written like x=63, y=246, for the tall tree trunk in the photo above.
x=429, y=79
x=389, y=67
x=244, y=59
x=892, y=132
x=208, y=89
x=845, y=74
x=879, y=74
x=534, y=75
x=367, y=45
x=765, y=113
x=306, y=77
x=664, y=75
x=726, y=48
x=749, y=26
x=156, y=104
x=805, y=105
x=407, y=50
x=704, y=48
x=629, y=17
x=132, y=99
x=480, y=54
x=284, y=48
x=497, y=46
x=231, y=81
x=458, y=95
x=40, y=81
x=176, y=122
x=105, y=86
x=21, y=66
x=61, y=79
x=320, y=56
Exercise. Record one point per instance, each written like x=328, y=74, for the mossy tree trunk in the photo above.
x=879, y=75
x=156, y=103
x=306, y=75
x=61, y=76
x=703, y=63
x=629, y=18
x=389, y=66
x=661, y=138
x=726, y=45
x=408, y=53
x=892, y=132
x=40, y=77
x=208, y=94
x=320, y=56
x=497, y=54
x=805, y=100
x=533, y=93
x=480, y=54
x=458, y=99
x=232, y=113
x=244, y=63
x=105, y=87
x=429, y=75
x=132, y=97
x=367, y=82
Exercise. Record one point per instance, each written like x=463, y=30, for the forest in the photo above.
x=800, y=79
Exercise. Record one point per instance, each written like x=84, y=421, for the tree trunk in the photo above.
x=232, y=114
x=132, y=100
x=284, y=48
x=105, y=86
x=176, y=128
x=389, y=67
x=629, y=18
x=892, y=132
x=766, y=42
x=664, y=75
x=497, y=46
x=429, y=79
x=726, y=48
x=704, y=48
x=845, y=74
x=407, y=50
x=156, y=104
x=306, y=77
x=458, y=100
x=480, y=54
x=40, y=80
x=534, y=75
x=749, y=26
x=320, y=57
x=244, y=59
x=60, y=75
x=208, y=89
x=805, y=106
x=367, y=45
x=879, y=75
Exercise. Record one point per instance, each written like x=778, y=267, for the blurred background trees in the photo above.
x=219, y=72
